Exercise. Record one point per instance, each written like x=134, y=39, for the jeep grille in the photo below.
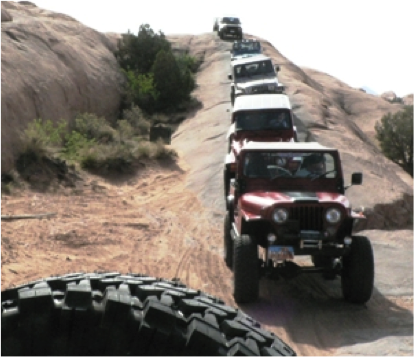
x=310, y=218
x=260, y=89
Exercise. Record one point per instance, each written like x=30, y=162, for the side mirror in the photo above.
x=229, y=76
x=277, y=68
x=356, y=178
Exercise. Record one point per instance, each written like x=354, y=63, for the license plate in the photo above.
x=281, y=252
x=232, y=31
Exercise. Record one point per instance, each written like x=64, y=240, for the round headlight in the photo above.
x=280, y=215
x=333, y=215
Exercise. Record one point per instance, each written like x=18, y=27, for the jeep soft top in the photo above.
x=288, y=199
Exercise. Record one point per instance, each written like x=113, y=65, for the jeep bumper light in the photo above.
x=280, y=215
x=333, y=215
x=271, y=238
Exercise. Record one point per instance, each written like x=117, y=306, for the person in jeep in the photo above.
x=312, y=165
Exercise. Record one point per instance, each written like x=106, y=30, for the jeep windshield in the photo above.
x=290, y=165
x=270, y=119
x=241, y=48
x=230, y=20
x=254, y=69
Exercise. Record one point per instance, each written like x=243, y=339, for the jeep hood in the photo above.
x=256, y=81
x=253, y=203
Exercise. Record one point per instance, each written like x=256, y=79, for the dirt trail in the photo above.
x=167, y=220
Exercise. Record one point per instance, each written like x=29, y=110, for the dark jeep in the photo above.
x=228, y=26
x=288, y=199
x=261, y=117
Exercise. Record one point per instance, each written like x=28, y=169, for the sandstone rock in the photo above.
x=408, y=99
x=5, y=16
x=52, y=67
x=390, y=96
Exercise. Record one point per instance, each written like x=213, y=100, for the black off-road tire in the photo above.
x=245, y=269
x=358, y=271
x=133, y=314
x=228, y=242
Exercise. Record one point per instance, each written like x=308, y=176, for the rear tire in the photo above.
x=245, y=269
x=132, y=314
x=358, y=271
x=228, y=242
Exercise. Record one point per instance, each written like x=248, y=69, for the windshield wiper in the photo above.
x=322, y=175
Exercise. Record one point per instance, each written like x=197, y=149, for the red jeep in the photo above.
x=287, y=199
x=259, y=117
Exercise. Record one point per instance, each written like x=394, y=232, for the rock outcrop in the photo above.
x=5, y=15
x=390, y=96
x=408, y=99
x=52, y=67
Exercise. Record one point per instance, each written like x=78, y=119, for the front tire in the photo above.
x=245, y=269
x=228, y=242
x=358, y=271
x=113, y=314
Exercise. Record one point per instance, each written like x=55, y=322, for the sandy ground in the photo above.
x=166, y=221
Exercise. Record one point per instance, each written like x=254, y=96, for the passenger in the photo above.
x=279, y=122
x=312, y=165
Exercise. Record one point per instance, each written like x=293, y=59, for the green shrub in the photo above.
x=94, y=128
x=141, y=90
x=110, y=157
x=137, y=53
x=138, y=121
x=45, y=132
x=156, y=79
x=75, y=145
x=40, y=139
x=395, y=136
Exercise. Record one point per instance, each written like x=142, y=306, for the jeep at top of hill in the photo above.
x=253, y=75
x=261, y=117
x=288, y=199
x=228, y=26
x=245, y=48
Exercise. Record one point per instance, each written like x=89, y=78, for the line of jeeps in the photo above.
x=284, y=198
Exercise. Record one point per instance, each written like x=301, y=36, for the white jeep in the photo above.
x=253, y=75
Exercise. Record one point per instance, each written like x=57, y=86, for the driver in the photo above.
x=313, y=164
